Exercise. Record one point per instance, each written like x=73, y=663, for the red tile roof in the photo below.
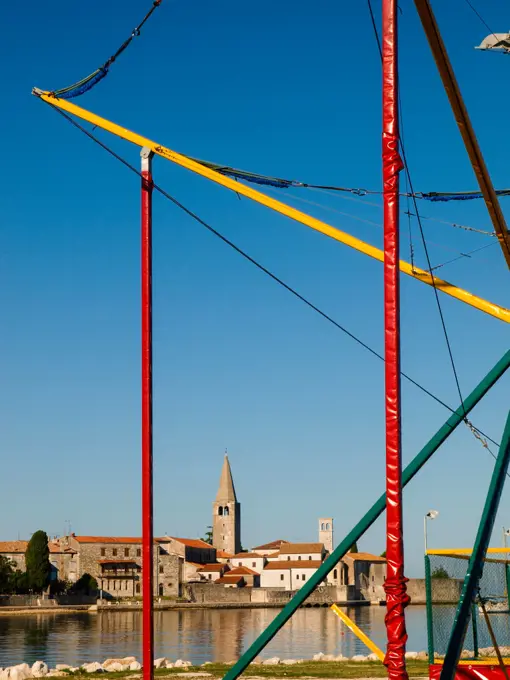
x=223, y=554
x=214, y=567
x=365, y=557
x=301, y=548
x=241, y=556
x=20, y=547
x=191, y=542
x=227, y=579
x=57, y=548
x=13, y=546
x=274, y=545
x=242, y=571
x=292, y=564
x=107, y=539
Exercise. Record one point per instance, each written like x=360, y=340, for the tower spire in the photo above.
x=226, y=491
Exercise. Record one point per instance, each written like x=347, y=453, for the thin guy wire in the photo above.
x=422, y=234
x=468, y=3
x=257, y=264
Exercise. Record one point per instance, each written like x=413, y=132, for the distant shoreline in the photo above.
x=167, y=606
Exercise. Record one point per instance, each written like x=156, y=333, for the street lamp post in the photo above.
x=506, y=533
x=431, y=514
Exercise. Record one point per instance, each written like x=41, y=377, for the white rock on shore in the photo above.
x=94, y=667
x=358, y=658
x=181, y=664
x=274, y=661
x=135, y=666
x=161, y=663
x=39, y=669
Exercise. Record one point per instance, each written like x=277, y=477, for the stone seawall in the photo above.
x=444, y=590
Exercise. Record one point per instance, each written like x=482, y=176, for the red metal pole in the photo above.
x=147, y=502
x=395, y=586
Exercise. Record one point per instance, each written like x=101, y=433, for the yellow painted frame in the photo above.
x=489, y=661
x=466, y=551
x=357, y=244
x=358, y=632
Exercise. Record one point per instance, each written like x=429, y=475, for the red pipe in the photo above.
x=395, y=585
x=147, y=502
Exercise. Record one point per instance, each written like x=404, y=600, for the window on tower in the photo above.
x=225, y=511
x=327, y=526
x=220, y=511
x=322, y=526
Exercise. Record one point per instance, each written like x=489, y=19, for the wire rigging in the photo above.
x=422, y=235
x=88, y=83
x=264, y=269
x=477, y=13
x=364, y=201
x=328, y=208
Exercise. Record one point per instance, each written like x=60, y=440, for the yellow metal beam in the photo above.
x=466, y=551
x=358, y=632
x=376, y=253
x=487, y=661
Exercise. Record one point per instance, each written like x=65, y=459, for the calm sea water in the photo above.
x=194, y=635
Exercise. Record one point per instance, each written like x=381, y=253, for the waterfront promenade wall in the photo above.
x=209, y=593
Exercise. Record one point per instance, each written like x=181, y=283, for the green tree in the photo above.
x=383, y=554
x=208, y=535
x=354, y=548
x=6, y=574
x=86, y=585
x=59, y=587
x=440, y=572
x=37, y=559
x=19, y=582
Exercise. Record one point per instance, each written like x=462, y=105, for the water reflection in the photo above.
x=195, y=635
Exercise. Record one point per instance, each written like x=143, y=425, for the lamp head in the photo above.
x=432, y=514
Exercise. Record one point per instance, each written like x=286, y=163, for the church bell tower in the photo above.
x=226, y=514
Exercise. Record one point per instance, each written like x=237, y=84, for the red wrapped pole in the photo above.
x=147, y=501
x=395, y=585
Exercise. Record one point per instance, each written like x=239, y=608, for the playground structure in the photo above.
x=396, y=478
x=445, y=571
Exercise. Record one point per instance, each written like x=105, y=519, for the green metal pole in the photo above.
x=474, y=623
x=507, y=574
x=429, y=603
x=369, y=518
x=475, y=567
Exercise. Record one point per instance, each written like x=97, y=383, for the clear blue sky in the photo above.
x=287, y=88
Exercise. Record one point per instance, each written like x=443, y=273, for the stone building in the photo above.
x=251, y=560
x=189, y=549
x=231, y=581
x=193, y=551
x=302, y=551
x=212, y=572
x=116, y=563
x=326, y=533
x=269, y=549
x=367, y=573
x=288, y=574
x=250, y=577
x=15, y=552
x=62, y=559
x=224, y=557
x=226, y=514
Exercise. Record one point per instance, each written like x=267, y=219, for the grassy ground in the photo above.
x=307, y=669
